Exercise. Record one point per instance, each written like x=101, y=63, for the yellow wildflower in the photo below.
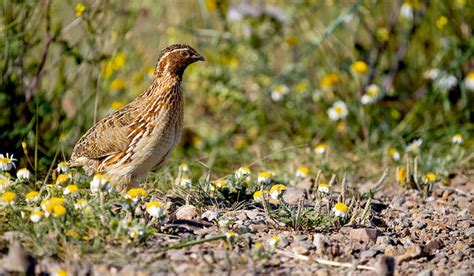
x=401, y=175
x=80, y=9
x=136, y=194
x=154, y=209
x=340, y=209
x=302, y=172
x=320, y=149
x=258, y=196
x=81, y=204
x=118, y=84
x=431, y=177
x=360, y=67
x=62, y=167
x=394, y=154
x=324, y=188
x=457, y=139
x=115, y=105
x=8, y=198
x=277, y=190
x=62, y=178
x=330, y=80
x=264, y=178
x=71, y=189
x=32, y=196
x=23, y=174
x=36, y=216
x=441, y=22
x=59, y=210
x=274, y=241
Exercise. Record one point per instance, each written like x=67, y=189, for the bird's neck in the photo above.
x=163, y=92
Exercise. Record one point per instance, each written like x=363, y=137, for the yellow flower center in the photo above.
x=8, y=197
x=341, y=207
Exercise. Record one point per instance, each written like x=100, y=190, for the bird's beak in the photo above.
x=198, y=58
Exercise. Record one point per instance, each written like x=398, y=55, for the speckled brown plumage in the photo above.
x=139, y=137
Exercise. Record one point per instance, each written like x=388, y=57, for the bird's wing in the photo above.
x=106, y=137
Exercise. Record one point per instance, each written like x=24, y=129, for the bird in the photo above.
x=139, y=137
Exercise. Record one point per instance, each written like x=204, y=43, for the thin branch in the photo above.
x=323, y=261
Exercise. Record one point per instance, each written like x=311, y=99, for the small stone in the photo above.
x=445, y=195
x=430, y=199
x=17, y=259
x=210, y=215
x=293, y=195
x=427, y=272
x=469, y=232
x=411, y=253
x=438, y=257
x=418, y=224
x=187, y=212
x=398, y=201
x=364, y=235
x=300, y=250
x=433, y=244
x=458, y=256
x=300, y=237
x=410, y=203
x=384, y=240
x=369, y=253
x=319, y=240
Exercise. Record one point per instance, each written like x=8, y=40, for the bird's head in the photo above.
x=174, y=59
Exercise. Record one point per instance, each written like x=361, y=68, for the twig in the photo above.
x=323, y=261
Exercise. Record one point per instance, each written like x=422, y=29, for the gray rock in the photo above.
x=433, y=244
x=384, y=240
x=364, y=235
x=17, y=258
x=398, y=200
x=469, y=232
x=187, y=212
x=319, y=240
x=210, y=215
x=419, y=224
x=369, y=253
x=292, y=195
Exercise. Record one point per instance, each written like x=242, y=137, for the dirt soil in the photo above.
x=407, y=234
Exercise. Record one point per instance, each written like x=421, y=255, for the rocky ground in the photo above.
x=407, y=234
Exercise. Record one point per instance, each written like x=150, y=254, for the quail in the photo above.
x=140, y=136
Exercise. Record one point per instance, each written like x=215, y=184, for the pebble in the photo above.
x=431, y=245
x=300, y=250
x=369, y=253
x=398, y=200
x=418, y=224
x=187, y=212
x=469, y=232
x=365, y=235
x=384, y=240
x=210, y=215
x=17, y=258
x=319, y=240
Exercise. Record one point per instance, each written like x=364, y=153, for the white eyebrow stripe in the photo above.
x=175, y=50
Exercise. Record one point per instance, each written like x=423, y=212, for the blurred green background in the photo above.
x=274, y=71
